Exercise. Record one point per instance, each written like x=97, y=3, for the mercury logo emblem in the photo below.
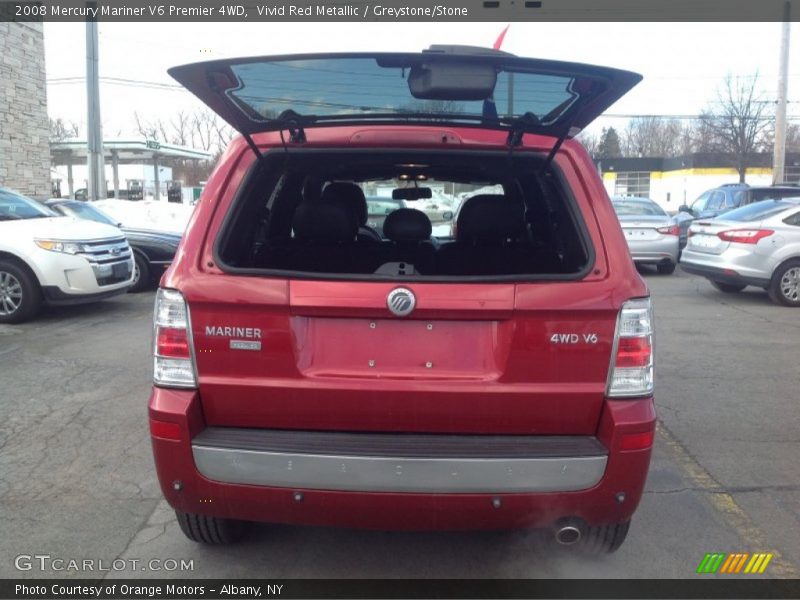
x=401, y=302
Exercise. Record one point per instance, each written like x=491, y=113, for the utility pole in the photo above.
x=779, y=156
x=94, y=130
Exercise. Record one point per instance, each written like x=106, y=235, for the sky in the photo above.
x=683, y=64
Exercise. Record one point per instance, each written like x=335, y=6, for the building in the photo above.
x=24, y=128
x=672, y=182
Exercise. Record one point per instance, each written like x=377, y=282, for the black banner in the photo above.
x=74, y=589
x=398, y=10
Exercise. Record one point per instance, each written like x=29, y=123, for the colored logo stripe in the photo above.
x=711, y=562
x=721, y=562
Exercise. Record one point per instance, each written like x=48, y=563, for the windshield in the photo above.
x=82, y=210
x=638, y=208
x=13, y=207
x=758, y=211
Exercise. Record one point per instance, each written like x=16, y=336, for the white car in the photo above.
x=47, y=258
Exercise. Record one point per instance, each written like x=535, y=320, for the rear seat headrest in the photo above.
x=407, y=225
x=324, y=222
x=349, y=194
x=490, y=217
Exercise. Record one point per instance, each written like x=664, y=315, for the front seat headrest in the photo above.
x=407, y=225
x=490, y=218
x=349, y=194
x=324, y=222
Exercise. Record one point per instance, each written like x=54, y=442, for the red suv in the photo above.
x=309, y=369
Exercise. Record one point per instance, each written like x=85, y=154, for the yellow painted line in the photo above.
x=765, y=563
x=736, y=518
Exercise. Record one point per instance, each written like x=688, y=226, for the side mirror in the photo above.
x=447, y=215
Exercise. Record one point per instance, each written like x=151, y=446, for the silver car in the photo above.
x=653, y=236
x=757, y=244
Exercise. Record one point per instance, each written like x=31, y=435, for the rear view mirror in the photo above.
x=452, y=80
x=411, y=193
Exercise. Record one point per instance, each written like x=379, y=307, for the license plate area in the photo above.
x=400, y=349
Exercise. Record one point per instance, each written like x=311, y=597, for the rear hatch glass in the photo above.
x=454, y=85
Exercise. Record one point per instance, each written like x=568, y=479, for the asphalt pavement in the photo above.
x=77, y=480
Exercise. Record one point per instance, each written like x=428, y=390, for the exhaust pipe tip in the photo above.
x=568, y=535
x=568, y=531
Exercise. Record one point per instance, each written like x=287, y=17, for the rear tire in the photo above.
x=728, y=288
x=209, y=530
x=785, y=285
x=666, y=268
x=604, y=539
x=141, y=270
x=20, y=294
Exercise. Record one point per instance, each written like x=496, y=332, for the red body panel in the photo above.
x=626, y=472
x=472, y=358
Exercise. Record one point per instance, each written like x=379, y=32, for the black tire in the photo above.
x=785, y=285
x=604, y=539
x=728, y=288
x=667, y=268
x=209, y=530
x=20, y=293
x=141, y=269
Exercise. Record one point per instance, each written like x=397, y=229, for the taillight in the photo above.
x=173, y=364
x=631, y=372
x=744, y=236
x=671, y=230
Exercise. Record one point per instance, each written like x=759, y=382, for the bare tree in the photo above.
x=737, y=122
x=61, y=131
x=653, y=137
x=590, y=141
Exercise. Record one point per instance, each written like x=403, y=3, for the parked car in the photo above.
x=757, y=244
x=48, y=258
x=153, y=251
x=501, y=380
x=720, y=200
x=653, y=236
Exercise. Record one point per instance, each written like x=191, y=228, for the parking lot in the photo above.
x=77, y=478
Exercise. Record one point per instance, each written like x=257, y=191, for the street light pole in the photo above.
x=94, y=130
x=779, y=155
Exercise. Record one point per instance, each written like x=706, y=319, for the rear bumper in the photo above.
x=724, y=275
x=204, y=470
x=407, y=463
x=657, y=251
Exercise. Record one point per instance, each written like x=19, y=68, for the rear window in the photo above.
x=438, y=216
x=758, y=211
x=637, y=207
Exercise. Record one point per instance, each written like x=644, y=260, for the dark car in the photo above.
x=153, y=251
x=719, y=200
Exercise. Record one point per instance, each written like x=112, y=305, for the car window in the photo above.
x=13, y=206
x=716, y=201
x=735, y=199
x=766, y=194
x=793, y=219
x=637, y=207
x=758, y=211
x=700, y=203
x=81, y=210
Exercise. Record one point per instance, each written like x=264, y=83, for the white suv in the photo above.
x=48, y=258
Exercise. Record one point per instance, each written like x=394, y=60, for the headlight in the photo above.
x=56, y=246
